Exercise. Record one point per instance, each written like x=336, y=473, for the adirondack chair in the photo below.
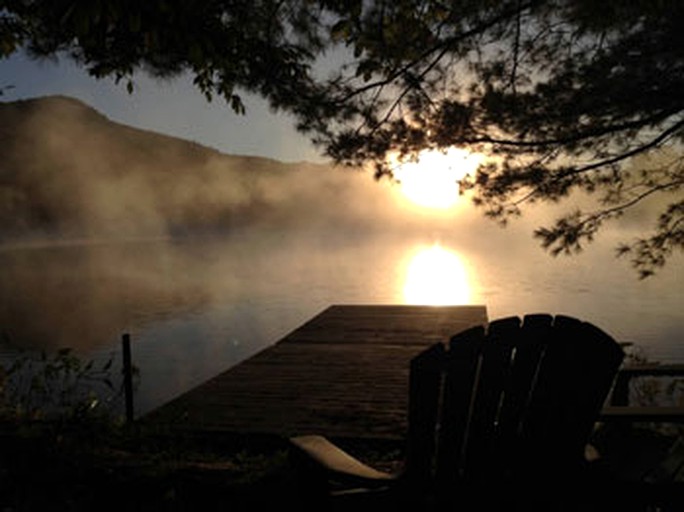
x=499, y=418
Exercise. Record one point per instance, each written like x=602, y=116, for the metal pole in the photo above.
x=128, y=376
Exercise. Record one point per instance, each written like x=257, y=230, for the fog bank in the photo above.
x=68, y=172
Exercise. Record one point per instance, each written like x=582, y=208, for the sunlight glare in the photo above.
x=431, y=181
x=437, y=277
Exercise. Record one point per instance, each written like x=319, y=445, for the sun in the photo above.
x=431, y=181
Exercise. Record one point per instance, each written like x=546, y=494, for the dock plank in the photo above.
x=344, y=373
x=394, y=325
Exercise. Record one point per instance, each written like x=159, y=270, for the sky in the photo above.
x=173, y=107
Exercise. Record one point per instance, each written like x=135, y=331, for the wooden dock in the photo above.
x=343, y=374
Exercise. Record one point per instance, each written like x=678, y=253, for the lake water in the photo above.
x=196, y=306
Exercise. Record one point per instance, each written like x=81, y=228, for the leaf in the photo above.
x=340, y=31
x=237, y=105
x=366, y=69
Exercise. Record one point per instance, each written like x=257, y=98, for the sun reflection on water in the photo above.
x=436, y=276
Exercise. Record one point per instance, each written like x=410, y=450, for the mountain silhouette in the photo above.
x=67, y=170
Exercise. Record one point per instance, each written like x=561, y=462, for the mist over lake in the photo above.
x=207, y=258
x=197, y=306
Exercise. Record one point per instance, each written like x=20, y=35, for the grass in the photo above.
x=85, y=466
x=80, y=467
x=91, y=465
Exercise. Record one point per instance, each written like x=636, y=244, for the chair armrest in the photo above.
x=338, y=464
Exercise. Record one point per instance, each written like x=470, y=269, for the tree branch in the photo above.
x=516, y=50
x=589, y=134
x=629, y=154
x=444, y=46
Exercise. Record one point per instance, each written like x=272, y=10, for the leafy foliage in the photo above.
x=562, y=95
x=59, y=385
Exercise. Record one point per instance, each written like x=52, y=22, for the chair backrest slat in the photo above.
x=530, y=346
x=585, y=360
x=489, y=395
x=425, y=383
x=462, y=369
x=575, y=376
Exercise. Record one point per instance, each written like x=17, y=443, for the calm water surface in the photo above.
x=195, y=307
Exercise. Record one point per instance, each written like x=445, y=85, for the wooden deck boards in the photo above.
x=342, y=374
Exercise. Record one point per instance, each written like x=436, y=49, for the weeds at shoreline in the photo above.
x=59, y=386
